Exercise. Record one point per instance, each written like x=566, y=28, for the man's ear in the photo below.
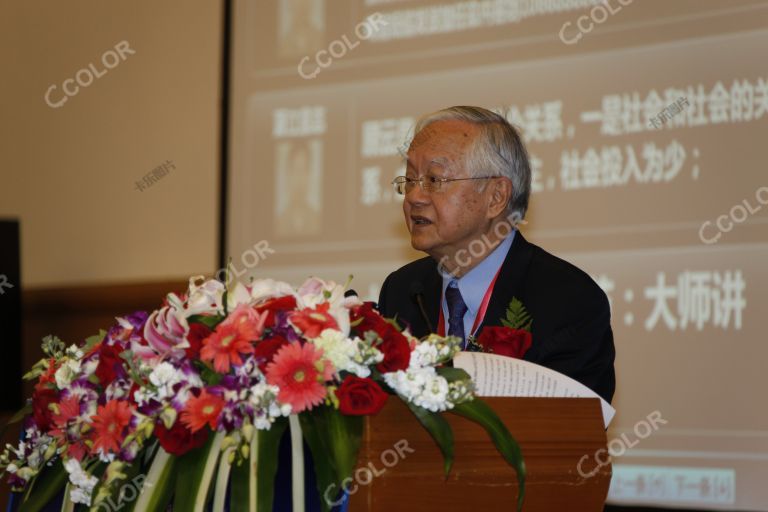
x=501, y=194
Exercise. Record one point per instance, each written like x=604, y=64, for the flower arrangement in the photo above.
x=195, y=396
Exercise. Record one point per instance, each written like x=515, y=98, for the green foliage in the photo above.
x=210, y=321
x=92, y=341
x=452, y=374
x=259, y=468
x=53, y=347
x=266, y=469
x=195, y=473
x=48, y=483
x=517, y=317
x=133, y=368
x=482, y=414
x=17, y=417
x=157, y=490
x=334, y=440
x=210, y=376
x=439, y=429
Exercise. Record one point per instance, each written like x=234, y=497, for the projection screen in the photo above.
x=645, y=121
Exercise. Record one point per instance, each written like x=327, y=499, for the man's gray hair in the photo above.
x=497, y=151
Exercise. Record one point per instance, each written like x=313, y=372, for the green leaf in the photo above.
x=267, y=455
x=92, y=341
x=517, y=317
x=210, y=376
x=252, y=482
x=37, y=369
x=130, y=471
x=334, y=440
x=481, y=413
x=67, y=504
x=452, y=374
x=17, y=417
x=133, y=367
x=48, y=483
x=440, y=430
x=194, y=475
x=239, y=481
x=222, y=479
x=157, y=489
x=210, y=321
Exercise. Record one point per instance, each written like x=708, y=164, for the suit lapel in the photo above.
x=510, y=281
x=433, y=288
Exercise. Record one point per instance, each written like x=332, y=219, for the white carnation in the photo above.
x=66, y=373
x=425, y=354
x=83, y=482
x=345, y=353
x=164, y=377
x=422, y=387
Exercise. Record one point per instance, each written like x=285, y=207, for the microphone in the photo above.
x=417, y=294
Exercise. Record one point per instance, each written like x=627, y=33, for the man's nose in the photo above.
x=416, y=195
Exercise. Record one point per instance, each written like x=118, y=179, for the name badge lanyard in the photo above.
x=480, y=312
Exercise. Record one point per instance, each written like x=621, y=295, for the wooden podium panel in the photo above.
x=405, y=467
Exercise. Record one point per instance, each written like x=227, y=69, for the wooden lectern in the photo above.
x=555, y=434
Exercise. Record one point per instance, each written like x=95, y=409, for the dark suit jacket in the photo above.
x=571, y=317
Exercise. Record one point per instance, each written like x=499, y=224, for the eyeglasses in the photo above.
x=428, y=183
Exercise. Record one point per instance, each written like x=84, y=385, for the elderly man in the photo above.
x=467, y=182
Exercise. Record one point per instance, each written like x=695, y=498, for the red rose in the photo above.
x=179, y=439
x=360, y=397
x=274, y=306
x=365, y=318
x=505, y=341
x=40, y=411
x=197, y=333
x=394, y=346
x=396, y=350
x=265, y=350
x=110, y=364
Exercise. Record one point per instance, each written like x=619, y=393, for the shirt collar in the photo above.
x=475, y=283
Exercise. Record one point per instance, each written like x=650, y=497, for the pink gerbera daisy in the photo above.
x=109, y=424
x=300, y=373
x=312, y=322
x=202, y=410
x=233, y=338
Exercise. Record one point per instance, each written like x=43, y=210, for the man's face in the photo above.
x=446, y=220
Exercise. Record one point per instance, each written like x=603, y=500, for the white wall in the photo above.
x=69, y=173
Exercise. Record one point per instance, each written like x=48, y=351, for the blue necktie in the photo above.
x=456, y=310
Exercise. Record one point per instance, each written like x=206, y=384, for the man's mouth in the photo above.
x=418, y=220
